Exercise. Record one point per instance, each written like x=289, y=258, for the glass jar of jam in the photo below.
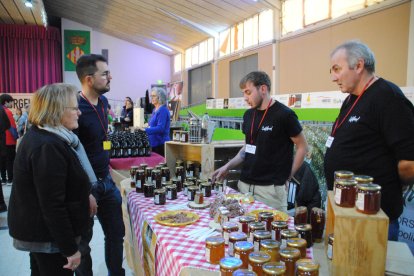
x=286, y=234
x=171, y=192
x=218, y=187
x=305, y=232
x=345, y=192
x=159, y=196
x=329, y=252
x=233, y=238
x=229, y=227
x=164, y=184
x=257, y=260
x=178, y=183
x=255, y=226
x=191, y=191
x=156, y=178
x=244, y=222
x=149, y=190
x=132, y=184
x=274, y=268
x=199, y=197
x=363, y=179
x=301, y=215
x=289, y=256
x=272, y=248
x=140, y=181
x=297, y=243
x=341, y=175
x=148, y=174
x=228, y=265
x=369, y=199
x=259, y=236
x=180, y=173
x=185, y=187
x=317, y=219
x=179, y=163
x=165, y=174
x=214, y=249
x=307, y=267
x=143, y=166
x=277, y=227
x=206, y=189
x=267, y=218
x=242, y=249
x=244, y=272
x=224, y=215
x=133, y=171
x=190, y=169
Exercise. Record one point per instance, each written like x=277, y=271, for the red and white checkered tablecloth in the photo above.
x=174, y=250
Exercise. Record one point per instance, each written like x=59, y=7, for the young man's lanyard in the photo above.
x=260, y=123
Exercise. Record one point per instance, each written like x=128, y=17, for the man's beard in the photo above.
x=103, y=90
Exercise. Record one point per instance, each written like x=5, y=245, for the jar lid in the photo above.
x=188, y=184
x=259, y=257
x=156, y=171
x=257, y=225
x=188, y=162
x=229, y=225
x=134, y=167
x=218, y=183
x=279, y=223
x=216, y=240
x=247, y=219
x=238, y=236
x=243, y=246
x=369, y=187
x=230, y=263
x=331, y=237
x=274, y=268
x=140, y=171
x=289, y=233
x=346, y=182
x=179, y=167
x=303, y=227
x=165, y=169
x=270, y=244
x=149, y=168
x=193, y=188
x=159, y=191
x=162, y=164
x=143, y=165
x=307, y=265
x=265, y=215
x=244, y=272
x=296, y=242
x=165, y=183
x=171, y=187
x=289, y=252
x=363, y=179
x=205, y=184
x=261, y=234
x=343, y=174
x=149, y=184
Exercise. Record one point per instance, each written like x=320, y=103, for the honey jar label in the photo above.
x=338, y=193
x=231, y=249
x=273, y=235
x=360, y=201
x=329, y=252
x=139, y=184
x=208, y=254
x=256, y=245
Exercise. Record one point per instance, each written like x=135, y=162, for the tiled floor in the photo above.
x=16, y=263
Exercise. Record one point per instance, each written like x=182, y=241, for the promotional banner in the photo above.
x=77, y=43
x=406, y=220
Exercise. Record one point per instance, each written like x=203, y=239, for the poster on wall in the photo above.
x=175, y=91
x=76, y=44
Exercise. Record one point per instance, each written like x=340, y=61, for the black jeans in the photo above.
x=6, y=163
x=48, y=264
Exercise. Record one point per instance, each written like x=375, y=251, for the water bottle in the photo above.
x=204, y=128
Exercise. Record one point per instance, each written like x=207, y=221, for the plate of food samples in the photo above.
x=176, y=218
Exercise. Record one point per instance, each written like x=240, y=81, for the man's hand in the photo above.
x=73, y=261
x=93, y=206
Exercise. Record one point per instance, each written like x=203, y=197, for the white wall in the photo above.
x=133, y=68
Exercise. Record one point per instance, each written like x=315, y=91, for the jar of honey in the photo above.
x=363, y=179
x=214, y=249
x=149, y=190
x=329, y=252
x=345, y=192
x=257, y=260
x=289, y=256
x=228, y=228
x=267, y=218
x=171, y=192
x=233, y=238
x=140, y=181
x=228, y=265
x=277, y=227
x=259, y=236
x=297, y=243
x=159, y=196
x=317, y=219
x=199, y=197
x=272, y=248
x=307, y=267
x=341, y=175
x=242, y=249
x=206, y=189
x=244, y=223
x=369, y=199
x=305, y=232
x=254, y=226
x=286, y=234
x=244, y=272
x=274, y=268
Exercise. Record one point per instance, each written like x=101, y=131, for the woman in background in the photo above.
x=127, y=114
x=159, y=125
x=49, y=201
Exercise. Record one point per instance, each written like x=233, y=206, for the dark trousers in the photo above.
x=1, y=195
x=45, y=264
x=6, y=163
x=109, y=215
x=159, y=150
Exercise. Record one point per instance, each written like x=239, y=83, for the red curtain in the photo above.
x=30, y=57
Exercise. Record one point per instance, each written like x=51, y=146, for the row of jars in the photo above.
x=129, y=144
x=357, y=191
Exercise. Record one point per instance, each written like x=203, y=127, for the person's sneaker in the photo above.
x=9, y=183
x=3, y=207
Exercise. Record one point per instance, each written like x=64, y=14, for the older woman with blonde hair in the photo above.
x=49, y=202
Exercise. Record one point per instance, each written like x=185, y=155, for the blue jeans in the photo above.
x=393, y=229
x=109, y=215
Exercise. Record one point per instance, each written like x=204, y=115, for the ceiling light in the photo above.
x=28, y=3
x=162, y=46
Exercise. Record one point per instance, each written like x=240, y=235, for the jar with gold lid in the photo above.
x=189, y=168
x=229, y=227
x=345, y=192
x=274, y=268
x=242, y=249
x=305, y=232
x=171, y=192
x=164, y=184
x=156, y=178
x=228, y=265
x=277, y=227
x=244, y=272
x=186, y=185
x=244, y=223
x=297, y=243
x=267, y=218
x=342, y=175
x=286, y=234
x=369, y=198
x=206, y=189
x=329, y=252
x=165, y=174
x=214, y=249
x=257, y=260
x=148, y=174
x=159, y=196
x=139, y=181
x=289, y=256
x=307, y=267
x=180, y=173
x=255, y=226
x=233, y=238
x=363, y=179
x=199, y=197
x=272, y=248
x=178, y=183
x=191, y=191
x=259, y=236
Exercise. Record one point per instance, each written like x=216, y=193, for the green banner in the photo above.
x=77, y=43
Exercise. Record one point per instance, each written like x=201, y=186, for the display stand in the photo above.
x=360, y=245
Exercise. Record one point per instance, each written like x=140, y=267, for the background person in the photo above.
x=373, y=134
x=49, y=204
x=22, y=123
x=158, y=129
x=127, y=113
x=6, y=161
x=4, y=125
x=271, y=131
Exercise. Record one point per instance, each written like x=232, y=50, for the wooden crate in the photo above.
x=360, y=246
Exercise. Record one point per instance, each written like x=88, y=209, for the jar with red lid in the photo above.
x=369, y=199
x=345, y=192
x=277, y=227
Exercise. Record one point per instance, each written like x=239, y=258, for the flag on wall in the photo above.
x=77, y=43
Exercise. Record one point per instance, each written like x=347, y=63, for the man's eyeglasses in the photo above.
x=73, y=108
x=105, y=74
